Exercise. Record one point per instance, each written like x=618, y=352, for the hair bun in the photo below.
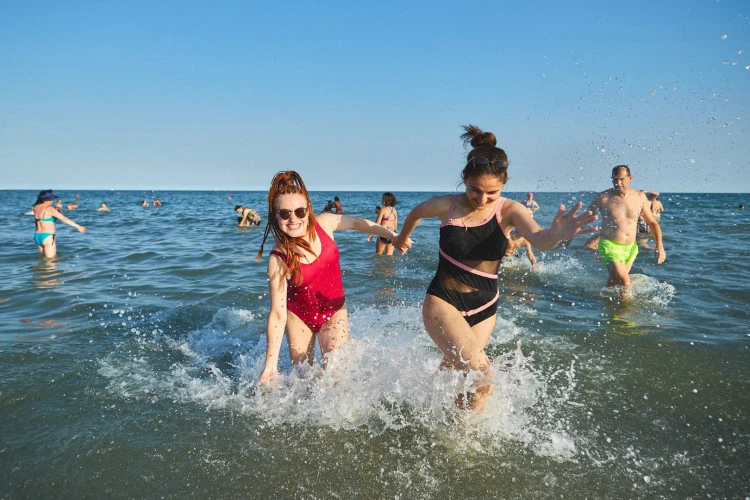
x=477, y=138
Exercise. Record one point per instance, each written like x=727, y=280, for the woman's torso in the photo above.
x=390, y=218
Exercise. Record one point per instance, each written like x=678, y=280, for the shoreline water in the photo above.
x=136, y=372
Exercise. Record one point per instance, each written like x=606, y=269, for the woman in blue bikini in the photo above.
x=45, y=215
x=461, y=302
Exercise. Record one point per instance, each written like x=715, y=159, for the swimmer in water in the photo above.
x=620, y=208
x=45, y=215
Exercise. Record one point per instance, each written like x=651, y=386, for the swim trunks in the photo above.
x=611, y=251
x=385, y=240
x=642, y=226
x=321, y=293
x=463, y=251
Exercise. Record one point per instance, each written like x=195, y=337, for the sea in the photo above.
x=129, y=364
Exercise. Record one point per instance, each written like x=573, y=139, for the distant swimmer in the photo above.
x=329, y=207
x=72, y=205
x=103, y=208
x=157, y=203
x=620, y=208
x=248, y=216
x=531, y=205
x=515, y=242
x=742, y=207
x=45, y=215
x=338, y=207
x=304, y=275
x=144, y=203
x=460, y=307
x=656, y=206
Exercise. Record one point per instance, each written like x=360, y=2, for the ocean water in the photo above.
x=129, y=364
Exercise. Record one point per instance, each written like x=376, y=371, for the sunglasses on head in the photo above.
x=480, y=160
x=285, y=213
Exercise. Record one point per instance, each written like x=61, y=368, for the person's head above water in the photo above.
x=289, y=183
x=485, y=158
x=46, y=195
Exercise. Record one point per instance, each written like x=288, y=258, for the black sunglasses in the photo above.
x=480, y=160
x=285, y=213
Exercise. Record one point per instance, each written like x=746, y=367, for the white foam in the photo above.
x=385, y=378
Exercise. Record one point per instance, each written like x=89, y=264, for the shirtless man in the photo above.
x=515, y=242
x=620, y=208
x=656, y=206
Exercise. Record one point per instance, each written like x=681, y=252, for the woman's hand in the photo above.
x=268, y=374
x=402, y=244
x=566, y=226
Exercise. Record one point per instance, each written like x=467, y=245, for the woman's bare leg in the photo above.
x=462, y=346
x=301, y=340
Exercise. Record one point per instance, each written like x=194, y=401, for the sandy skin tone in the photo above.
x=515, y=242
x=45, y=210
x=620, y=208
x=335, y=332
x=246, y=214
x=463, y=345
x=391, y=223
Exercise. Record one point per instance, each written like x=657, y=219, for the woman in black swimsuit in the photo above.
x=461, y=302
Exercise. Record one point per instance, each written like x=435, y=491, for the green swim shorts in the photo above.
x=611, y=251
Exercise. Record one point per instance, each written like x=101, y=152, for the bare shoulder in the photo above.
x=639, y=198
x=276, y=265
x=328, y=221
x=512, y=207
x=437, y=206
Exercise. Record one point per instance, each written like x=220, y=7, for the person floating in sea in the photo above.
x=304, y=274
x=388, y=218
x=338, y=208
x=329, y=207
x=103, y=208
x=72, y=205
x=248, y=216
x=620, y=208
x=531, y=205
x=144, y=203
x=45, y=215
x=461, y=303
x=157, y=202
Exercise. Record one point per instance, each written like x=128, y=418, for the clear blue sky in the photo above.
x=371, y=95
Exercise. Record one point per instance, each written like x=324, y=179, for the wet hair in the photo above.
x=617, y=169
x=389, y=200
x=237, y=207
x=484, y=145
x=288, y=182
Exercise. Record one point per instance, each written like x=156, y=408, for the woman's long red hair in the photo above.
x=288, y=182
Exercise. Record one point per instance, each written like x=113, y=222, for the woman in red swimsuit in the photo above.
x=304, y=275
x=461, y=302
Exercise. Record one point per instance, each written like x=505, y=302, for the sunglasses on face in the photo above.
x=285, y=213
x=479, y=160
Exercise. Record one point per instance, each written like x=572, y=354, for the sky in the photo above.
x=372, y=95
